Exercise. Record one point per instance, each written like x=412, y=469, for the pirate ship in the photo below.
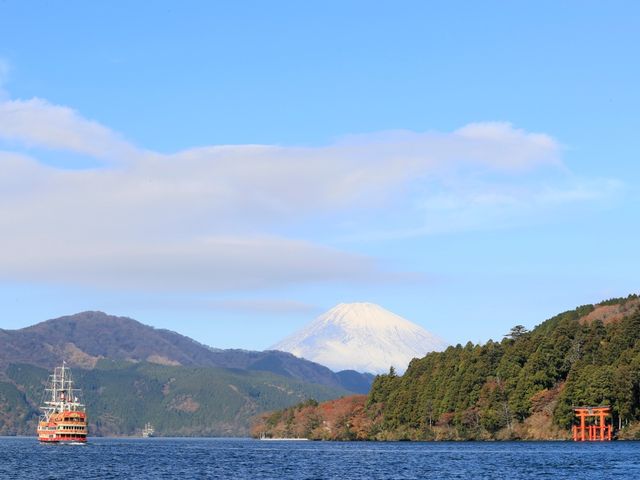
x=63, y=419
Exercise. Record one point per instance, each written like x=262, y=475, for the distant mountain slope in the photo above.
x=85, y=338
x=363, y=337
x=179, y=401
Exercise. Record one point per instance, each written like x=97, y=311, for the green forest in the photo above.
x=521, y=387
x=180, y=401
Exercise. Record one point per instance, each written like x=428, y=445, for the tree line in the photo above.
x=489, y=390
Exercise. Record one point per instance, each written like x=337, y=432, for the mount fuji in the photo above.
x=363, y=337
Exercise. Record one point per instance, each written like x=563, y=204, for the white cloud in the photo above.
x=500, y=145
x=208, y=218
x=37, y=123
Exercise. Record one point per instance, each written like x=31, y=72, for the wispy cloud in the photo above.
x=213, y=218
x=481, y=206
x=38, y=123
x=204, y=264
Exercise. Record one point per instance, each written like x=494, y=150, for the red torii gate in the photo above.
x=597, y=431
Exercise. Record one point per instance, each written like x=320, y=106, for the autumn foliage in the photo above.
x=346, y=418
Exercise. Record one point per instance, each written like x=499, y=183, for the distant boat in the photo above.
x=64, y=419
x=282, y=439
x=148, y=430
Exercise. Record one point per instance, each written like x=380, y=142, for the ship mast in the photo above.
x=60, y=396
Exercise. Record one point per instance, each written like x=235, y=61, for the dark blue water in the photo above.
x=157, y=458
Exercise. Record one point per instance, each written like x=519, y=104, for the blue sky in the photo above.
x=229, y=170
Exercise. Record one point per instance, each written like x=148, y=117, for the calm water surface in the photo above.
x=159, y=458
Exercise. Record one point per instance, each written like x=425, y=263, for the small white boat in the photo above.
x=283, y=439
x=148, y=430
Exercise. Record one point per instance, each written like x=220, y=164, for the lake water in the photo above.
x=160, y=458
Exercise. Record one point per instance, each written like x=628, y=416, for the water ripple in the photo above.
x=158, y=458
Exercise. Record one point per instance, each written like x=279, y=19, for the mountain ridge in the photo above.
x=84, y=338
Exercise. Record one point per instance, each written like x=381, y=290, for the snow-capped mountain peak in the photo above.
x=363, y=337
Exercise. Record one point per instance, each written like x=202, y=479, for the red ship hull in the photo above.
x=64, y=427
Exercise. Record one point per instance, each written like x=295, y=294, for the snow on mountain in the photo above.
x=363, y=337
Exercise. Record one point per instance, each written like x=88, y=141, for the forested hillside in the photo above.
x=132, y=373
x=523, y=386
x=179, y=401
